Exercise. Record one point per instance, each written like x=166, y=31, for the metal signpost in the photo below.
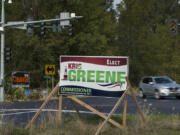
x=20, y=25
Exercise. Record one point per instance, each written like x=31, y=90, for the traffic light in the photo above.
x=154, y=27
x=30, y=27
x=56, y=25
x=174, y=26
x=70, y=30
x=42, y=29
x=30, y=30
x=7, y=51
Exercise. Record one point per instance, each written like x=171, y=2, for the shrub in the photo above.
x=18, y=94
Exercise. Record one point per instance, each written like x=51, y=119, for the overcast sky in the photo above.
x=116, y=2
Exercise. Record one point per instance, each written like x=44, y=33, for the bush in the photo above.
x=18, y=94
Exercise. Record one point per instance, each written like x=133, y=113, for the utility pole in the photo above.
x=2, y=53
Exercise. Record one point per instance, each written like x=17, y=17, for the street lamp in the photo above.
x=9, y=1
x=2, y=50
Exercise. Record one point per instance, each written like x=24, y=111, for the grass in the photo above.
x=155, y=125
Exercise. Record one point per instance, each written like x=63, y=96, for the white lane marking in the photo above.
x=44, y=110
x=35, y=109
x=16, y=113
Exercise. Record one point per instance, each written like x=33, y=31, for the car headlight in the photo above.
x=164, y=90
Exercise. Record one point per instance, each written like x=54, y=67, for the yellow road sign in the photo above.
x=49, y=69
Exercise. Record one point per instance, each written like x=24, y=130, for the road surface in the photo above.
x=21, y=112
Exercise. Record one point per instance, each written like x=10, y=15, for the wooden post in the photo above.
x=124, y=111
x=43, y=105
x=95, y=111
x=60, y=108
x=112, y=111
x=137, y=104
x=76, y=108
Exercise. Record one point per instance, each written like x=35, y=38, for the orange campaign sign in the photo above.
x=20, y=79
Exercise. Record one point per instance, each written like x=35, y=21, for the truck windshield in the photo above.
x=162, y=80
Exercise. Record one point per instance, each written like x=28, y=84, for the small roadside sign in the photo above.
x=49, y=69
x=27, y=92
x=47, y=77
x=34, y=90
x=20, y=79
x=45, y=91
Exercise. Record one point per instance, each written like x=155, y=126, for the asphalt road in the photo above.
x=21, y=112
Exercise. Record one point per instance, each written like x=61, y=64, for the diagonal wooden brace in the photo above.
x=95, y=111
x=112, y=111
x=42, y=106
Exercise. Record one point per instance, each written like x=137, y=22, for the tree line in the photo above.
x=138, y=29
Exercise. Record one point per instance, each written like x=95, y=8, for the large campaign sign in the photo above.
x=93, y=75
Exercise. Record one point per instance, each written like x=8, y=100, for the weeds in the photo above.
x=155, y=125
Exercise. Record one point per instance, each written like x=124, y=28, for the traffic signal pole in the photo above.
x=2, y=53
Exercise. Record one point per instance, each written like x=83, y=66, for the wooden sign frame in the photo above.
x=107, y=118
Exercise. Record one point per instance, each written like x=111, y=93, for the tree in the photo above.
x=92, y=35
x=144, y=35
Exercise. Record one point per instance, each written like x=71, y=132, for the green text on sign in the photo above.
x=96, y=76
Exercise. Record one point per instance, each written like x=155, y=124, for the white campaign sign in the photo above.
x=93, y=75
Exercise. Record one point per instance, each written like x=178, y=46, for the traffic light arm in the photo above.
x=34, y=22
x=22, y=24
